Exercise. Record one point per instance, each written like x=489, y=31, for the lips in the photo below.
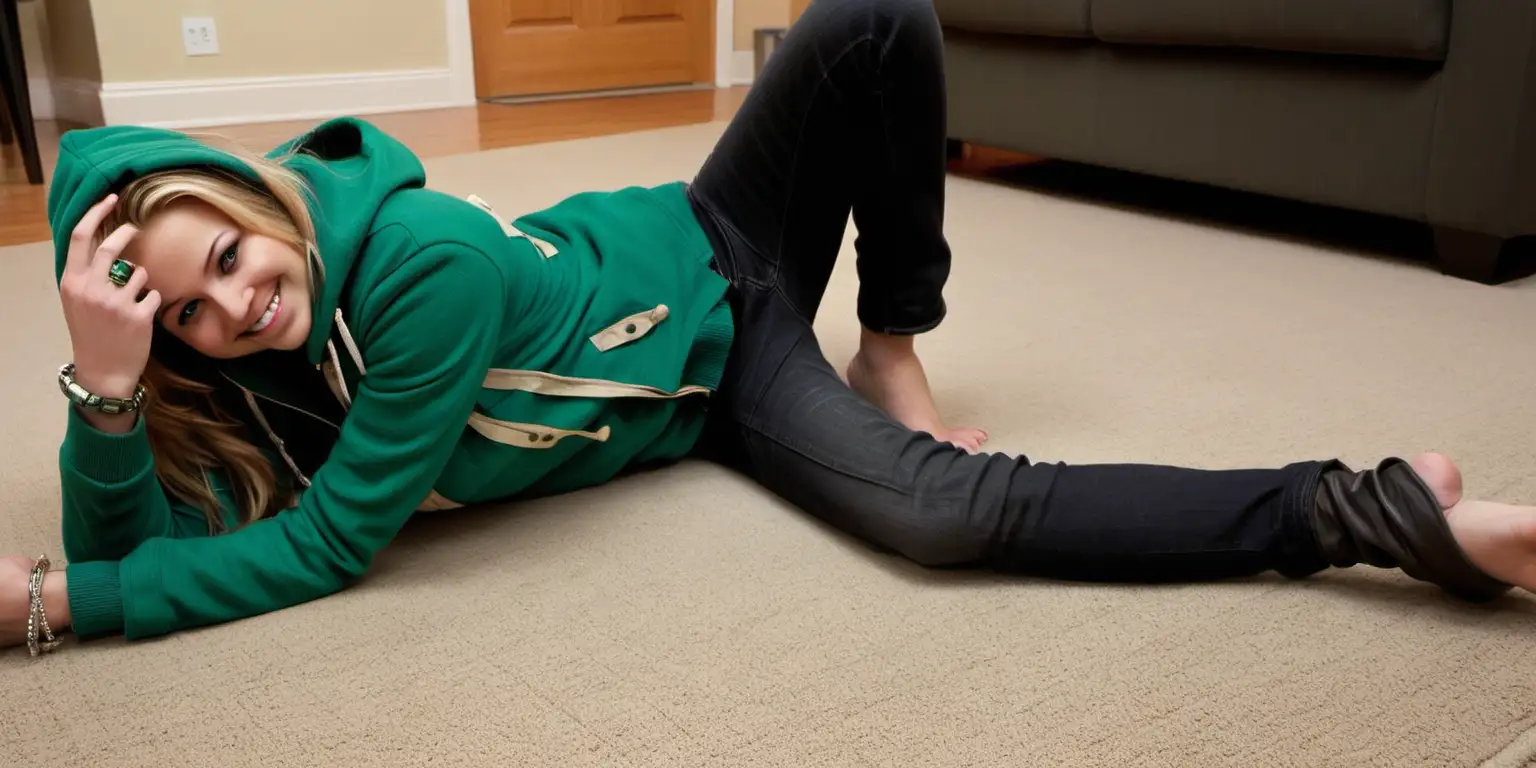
x=274, y=307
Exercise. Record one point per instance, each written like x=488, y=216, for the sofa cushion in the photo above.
x=1049, y=18
x=1405, y=29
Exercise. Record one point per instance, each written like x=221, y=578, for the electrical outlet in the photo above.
x=199, y=35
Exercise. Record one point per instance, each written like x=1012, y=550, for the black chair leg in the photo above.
x=17, y=96
x=7, y=136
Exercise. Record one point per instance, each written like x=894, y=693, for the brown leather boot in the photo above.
x=1388, y=517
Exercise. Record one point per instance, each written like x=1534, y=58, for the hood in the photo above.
x=350, y=166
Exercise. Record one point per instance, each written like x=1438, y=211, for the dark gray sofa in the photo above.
x=1418, y=109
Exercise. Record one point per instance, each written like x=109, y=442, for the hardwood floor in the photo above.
x=435, y=133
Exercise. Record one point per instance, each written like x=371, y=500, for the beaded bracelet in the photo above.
x=37, y=618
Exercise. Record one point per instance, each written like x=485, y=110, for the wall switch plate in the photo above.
x=199, y=35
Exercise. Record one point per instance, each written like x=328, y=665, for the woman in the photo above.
x=278, y=360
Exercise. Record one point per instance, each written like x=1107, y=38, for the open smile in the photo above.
x=274, y=308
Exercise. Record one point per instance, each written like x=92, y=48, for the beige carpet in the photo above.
x=685, y=618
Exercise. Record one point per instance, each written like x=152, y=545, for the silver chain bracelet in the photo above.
x=40, y=638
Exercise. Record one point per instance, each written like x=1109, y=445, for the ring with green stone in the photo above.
x=120, y=272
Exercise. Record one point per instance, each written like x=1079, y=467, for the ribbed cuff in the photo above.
x=106, y=458
x=95, y=598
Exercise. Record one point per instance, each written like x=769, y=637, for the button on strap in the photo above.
x=630, y=329
x=535, y=436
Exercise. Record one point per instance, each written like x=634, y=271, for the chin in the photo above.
x=295, y=335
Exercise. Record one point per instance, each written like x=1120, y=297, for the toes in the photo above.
x=1441, y=475
x=958, y=439
x=967, y=439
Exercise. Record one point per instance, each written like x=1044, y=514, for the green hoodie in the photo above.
x=456, y=357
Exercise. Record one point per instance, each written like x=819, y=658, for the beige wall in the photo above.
x=72, y=40
x=34, y=39
x=140, y=40
x=758, y=14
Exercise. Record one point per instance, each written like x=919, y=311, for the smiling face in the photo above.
x=224, y=291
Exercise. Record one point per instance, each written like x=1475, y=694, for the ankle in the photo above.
x=880, y=348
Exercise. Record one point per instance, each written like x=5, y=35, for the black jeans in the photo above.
x=850, y=116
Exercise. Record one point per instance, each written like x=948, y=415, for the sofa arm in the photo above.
x=1482, y=165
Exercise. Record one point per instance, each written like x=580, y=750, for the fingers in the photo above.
x=112, y=248
x=150, y=305
x=135, y=284
x=146, y=304
x=82, y=239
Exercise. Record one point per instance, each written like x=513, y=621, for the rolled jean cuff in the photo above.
x=907, y=322
x=1299, y=552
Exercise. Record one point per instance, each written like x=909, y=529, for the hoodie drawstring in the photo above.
x=352, y=350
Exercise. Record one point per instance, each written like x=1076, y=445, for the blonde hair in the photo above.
x=189, y=432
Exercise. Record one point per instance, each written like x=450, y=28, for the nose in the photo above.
x=234, y=302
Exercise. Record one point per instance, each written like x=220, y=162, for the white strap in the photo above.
x=632, y=328
x=535, y=436
x=546, y=248
x=541, y=383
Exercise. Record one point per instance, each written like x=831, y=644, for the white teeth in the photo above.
x=266, y=317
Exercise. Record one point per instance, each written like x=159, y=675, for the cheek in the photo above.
x=271, y=258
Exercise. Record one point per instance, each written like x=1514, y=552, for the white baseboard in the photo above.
x=77, y=101
x=201, y=103
x=41, y=90
x=742, y=65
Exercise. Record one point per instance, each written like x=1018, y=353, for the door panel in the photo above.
x=650, y=10
x=541, y=12
x=527, y=47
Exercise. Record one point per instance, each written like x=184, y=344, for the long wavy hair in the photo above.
x=190, y=433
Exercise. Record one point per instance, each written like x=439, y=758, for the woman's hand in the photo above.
x=110, y=326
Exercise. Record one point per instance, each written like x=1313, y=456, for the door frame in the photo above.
x=461, y=47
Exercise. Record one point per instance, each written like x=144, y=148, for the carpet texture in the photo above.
x=685, y=617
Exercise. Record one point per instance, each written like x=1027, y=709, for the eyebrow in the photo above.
x=207, y=261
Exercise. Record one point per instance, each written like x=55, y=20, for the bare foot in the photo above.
x=886, y=372
x=1441, y=475
x=1500, y=539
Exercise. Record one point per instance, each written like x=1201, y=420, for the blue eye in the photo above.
x=227, y=258
x=187, y=311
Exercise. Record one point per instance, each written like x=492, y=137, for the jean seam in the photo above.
x=913, y=330
x=730, y=239
x=795, y=448
x=778, y=256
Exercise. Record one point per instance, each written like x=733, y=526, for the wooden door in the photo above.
x=527, y=47
x=797, y=7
